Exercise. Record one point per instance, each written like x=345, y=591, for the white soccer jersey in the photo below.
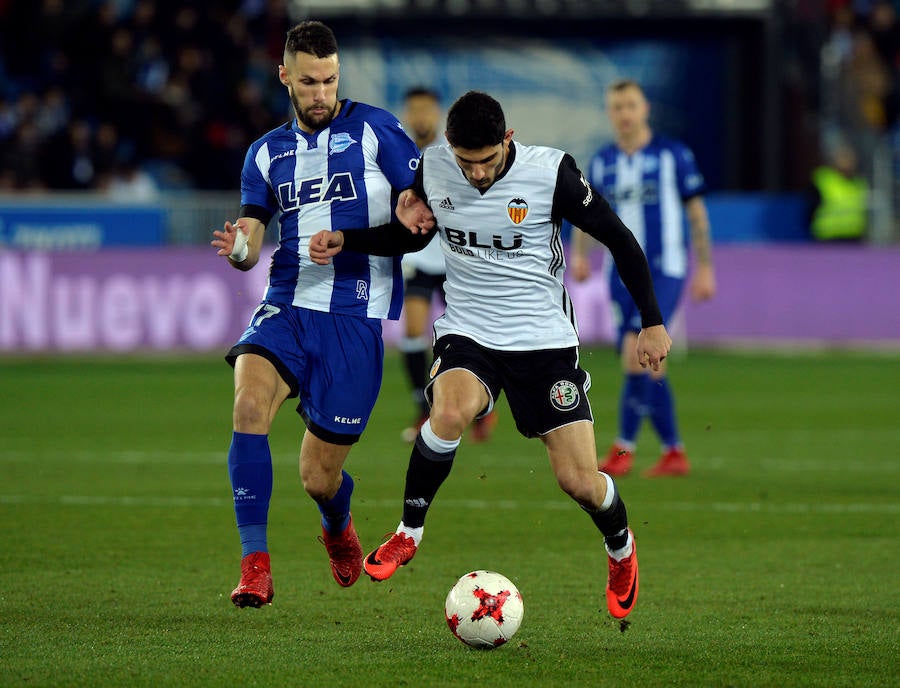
x=504, y=253
x=431, y=258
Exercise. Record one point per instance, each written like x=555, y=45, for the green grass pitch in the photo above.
x=774, y=564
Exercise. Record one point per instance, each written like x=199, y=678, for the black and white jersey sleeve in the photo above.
x=579, y=203
x=391, y=239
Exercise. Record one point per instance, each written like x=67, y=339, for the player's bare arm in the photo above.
x=414, y=213
x=325, y=245
x=703, y=280
x=580, y=248
x=240, y=242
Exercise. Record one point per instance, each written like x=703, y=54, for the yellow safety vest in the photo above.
x=842, y=212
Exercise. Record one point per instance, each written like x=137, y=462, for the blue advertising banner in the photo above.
x=62, y=225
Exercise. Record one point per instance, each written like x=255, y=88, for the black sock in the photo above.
x=613, y=523
x=415, y=370
x=426, y=473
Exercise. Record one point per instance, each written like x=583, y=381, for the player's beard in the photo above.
x=310, y=120
x=424, y=133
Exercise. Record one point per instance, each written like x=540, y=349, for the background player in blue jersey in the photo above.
x=425, y=272
x=317, y=333
x=652, y=182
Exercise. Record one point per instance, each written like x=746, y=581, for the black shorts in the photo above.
x=545, y=389
x=424, y=284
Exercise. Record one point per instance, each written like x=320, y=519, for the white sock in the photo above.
x=414, y=533
x=437, y=444
x=625, y=552
x=610, y=492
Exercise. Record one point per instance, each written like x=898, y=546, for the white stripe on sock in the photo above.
x=610, y=492
x=435, y=443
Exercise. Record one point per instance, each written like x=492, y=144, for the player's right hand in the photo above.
x=414, y=213
x=653, y=344
x=225, y=239
x=324, y=245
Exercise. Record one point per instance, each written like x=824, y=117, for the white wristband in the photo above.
x=240, y=250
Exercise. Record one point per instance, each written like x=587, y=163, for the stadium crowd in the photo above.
x=861, y=60
x=90, y=90
x=94, y=93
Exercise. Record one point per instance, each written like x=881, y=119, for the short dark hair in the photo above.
x=421, y=91
x=311, y=37
x=622, y=84
x=475, y=121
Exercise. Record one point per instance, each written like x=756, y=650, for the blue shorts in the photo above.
x=626, y=314
x=333, y=362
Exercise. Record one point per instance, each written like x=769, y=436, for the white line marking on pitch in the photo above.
x=470, y=504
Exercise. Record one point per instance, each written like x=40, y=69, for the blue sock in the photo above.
x=336, y=511
x=632, y=406
x=662, y=412
x=250, y=469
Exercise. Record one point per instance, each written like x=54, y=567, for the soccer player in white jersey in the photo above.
x=317, y=333
x=498, y=207
x=652, y=182
x=425, y=272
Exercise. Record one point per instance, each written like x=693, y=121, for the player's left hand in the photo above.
x=653, y=346
x=703, y=283
x=324, y=245
x=414, y=213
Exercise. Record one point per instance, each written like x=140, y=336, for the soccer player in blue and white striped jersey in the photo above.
x=652, y=182
x=317, y=333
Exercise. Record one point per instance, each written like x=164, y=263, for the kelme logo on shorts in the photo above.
x=564, y=395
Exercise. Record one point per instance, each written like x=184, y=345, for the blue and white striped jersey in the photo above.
x=647, y=190
x=344, y=176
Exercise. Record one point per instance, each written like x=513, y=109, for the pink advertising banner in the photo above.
x=128, y=300
x=123, y=300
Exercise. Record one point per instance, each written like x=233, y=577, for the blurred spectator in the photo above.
x=885, y=30
x=862, y=87
x=20, y=159
x=839, y=45
x=68, y=159
x=161, y=75
x=867, y=82
x=839, y=198
x=8, y=120
x=128, y=183
x=53, y=112
x=861, y=93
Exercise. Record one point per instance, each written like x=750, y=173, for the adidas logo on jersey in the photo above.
x=446, y=204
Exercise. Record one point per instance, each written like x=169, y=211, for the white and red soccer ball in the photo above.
x=484, y=609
